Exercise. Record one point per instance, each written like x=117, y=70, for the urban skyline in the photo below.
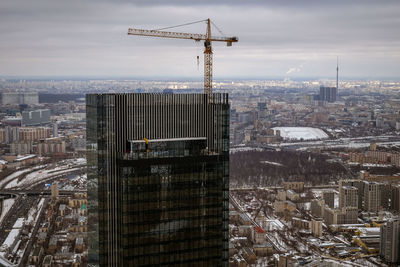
x=290, y=152
x=111, y=155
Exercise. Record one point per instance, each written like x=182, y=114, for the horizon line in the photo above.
x=192, y=79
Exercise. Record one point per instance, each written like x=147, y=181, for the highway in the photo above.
x=29, y=188
x=35, y=192
x=328, y=186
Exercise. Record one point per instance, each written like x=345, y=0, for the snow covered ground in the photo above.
x=301, y=133
x=318, y=192
x=32, y=218
x=7, y=204
x=5, y=262
x=273, y=224
x=12, y=176
x=355, y=142
x=271, y=163
x=242, y=149
x=41, y=175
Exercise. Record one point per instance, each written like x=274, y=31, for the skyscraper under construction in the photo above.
x=158, y=179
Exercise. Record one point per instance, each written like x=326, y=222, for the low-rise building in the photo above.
x=263, y=249
x=258, y=235
x=292, y=195
x=233, y=216
x=281, y=195
x=53, y=245
x=36, y=257
x=282, y=206
x=317, y=208
x=77, y=202
x=47, y=261
x=245, y=230
x=329, y=198
x=300, y=223
x=249, y=255
x=244, y=219
x=79, y=245
x=61, y=209
x=345, y=215
x=296, y=186
x=20, y=161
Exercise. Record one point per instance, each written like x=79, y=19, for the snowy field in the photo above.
x=301, y=133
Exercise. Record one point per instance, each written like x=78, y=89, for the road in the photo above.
x=29, y=188
x=276, y=246
x=328, y=186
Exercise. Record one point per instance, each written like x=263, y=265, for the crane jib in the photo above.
x=180, y=35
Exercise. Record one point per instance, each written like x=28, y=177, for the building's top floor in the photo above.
x=165, y=148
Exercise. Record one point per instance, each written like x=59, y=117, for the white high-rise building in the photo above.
x=390, y=241
x=372, y=196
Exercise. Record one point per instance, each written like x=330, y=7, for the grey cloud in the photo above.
x=77, y=37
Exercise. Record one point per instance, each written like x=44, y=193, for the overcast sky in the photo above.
x=276, y=38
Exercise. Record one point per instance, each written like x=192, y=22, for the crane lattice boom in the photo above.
x=179, y=35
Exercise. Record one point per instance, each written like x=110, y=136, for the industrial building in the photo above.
x=36, y=117
x=18, y=98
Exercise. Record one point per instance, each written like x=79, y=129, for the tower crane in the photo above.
x=207, y=38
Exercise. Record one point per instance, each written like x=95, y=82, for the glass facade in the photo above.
x=158, y=198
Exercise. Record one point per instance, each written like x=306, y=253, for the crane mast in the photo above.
x=207, y=38
x=208, y=57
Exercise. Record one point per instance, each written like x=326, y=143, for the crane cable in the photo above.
x=217, y=29
x=190, y=23
x=198, y=57
x=185, y=24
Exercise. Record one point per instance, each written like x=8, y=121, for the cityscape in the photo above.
x=296, y=167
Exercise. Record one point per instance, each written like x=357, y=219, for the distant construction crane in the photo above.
x=192, y=36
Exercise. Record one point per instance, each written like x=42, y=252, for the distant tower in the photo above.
x=337, y=74
x=372, y=146
x=55, y=129
x=54, y=190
